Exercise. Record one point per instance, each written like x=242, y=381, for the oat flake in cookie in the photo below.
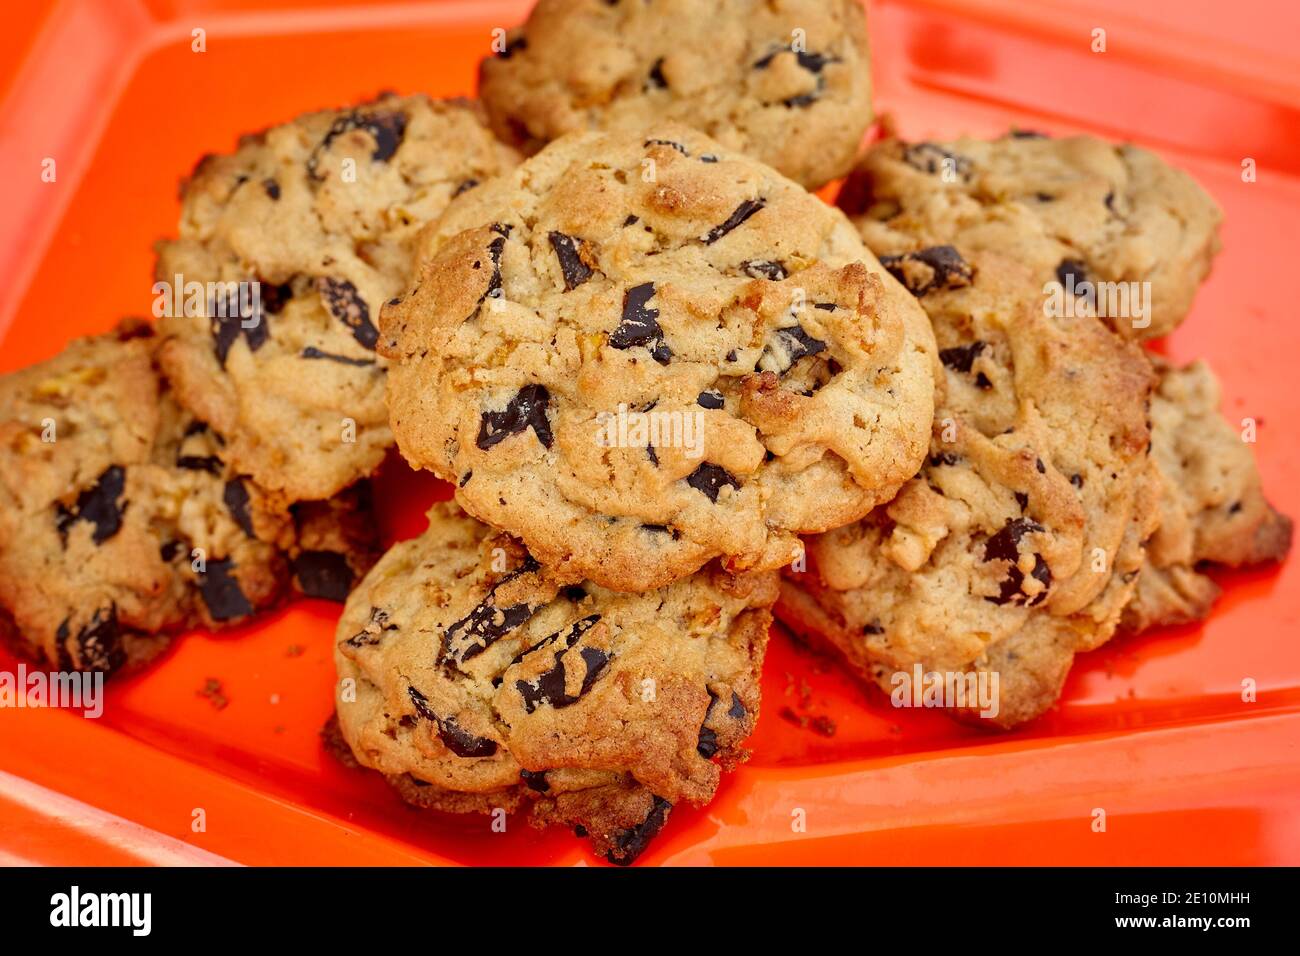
x=641, y=352
x=321, y=212
x=788, y=83
x=474, y=680
x=1076, y=212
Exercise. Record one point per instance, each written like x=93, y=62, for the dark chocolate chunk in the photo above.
x=640, y=324
x=221, y=592
x=567, y=250
x=929, y=158
x=273, y=298
x=1073, y=275
x=387, y=129
x=873, y=627
x=495, y=248
x=656, y=79
x=535, y=780
x=272, y=188
x=98, y=505
x=741, y=213
x=487, y=623
x=98, y=643
x=526, y=410
x=630, y=843
x=708, y=743
x=548, y=688
x=785, y=347
x=374, y=630
x=737, y=709
x=709, y=479
x=311, y=352
x=944, y=458
x=1004, y=546
x=323, y=574
x=960, y=358
x=209, y=463
x=671, y=144
x=948, y=270
x=772, y=269
x=235, y=496
x=652, y=455
x=345, y=304
x=710, y=399
x=464, y=187
x=458, y=740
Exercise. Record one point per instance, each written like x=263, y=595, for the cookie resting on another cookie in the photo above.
x=320, y=214
x=474, y=680
x=1019, y=542
x=1074, y=210
x=121, y=524
x=788, y=83
x=1212, y=509
x=641, y=352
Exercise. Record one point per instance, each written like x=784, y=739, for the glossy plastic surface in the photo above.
x=1152, y=730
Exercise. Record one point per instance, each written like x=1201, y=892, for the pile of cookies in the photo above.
x=673, y=392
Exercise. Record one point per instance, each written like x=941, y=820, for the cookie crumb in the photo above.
x=214, y=692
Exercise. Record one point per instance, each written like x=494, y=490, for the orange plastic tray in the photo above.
x=1152, y=730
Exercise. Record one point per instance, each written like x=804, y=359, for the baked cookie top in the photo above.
x=639, y=352
x=1019, y=541
x=1212, y=508
x=788, y=83
x=117, y=518
x=120, y=521
x=1122, y=234
x=474, y=678
x=319, y=216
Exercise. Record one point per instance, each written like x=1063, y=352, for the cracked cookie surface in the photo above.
x=640, y=352
x=474, y=679
x=788, y=83
x=321, y=213
x=1074, y=210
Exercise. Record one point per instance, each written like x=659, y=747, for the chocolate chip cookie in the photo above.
x=287, y=247
x=641, y=352
x=1105, y=230
x=788, y=83
x=1019, y=542
x=475, y=680
x=1212, y=509
x=120, y=521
